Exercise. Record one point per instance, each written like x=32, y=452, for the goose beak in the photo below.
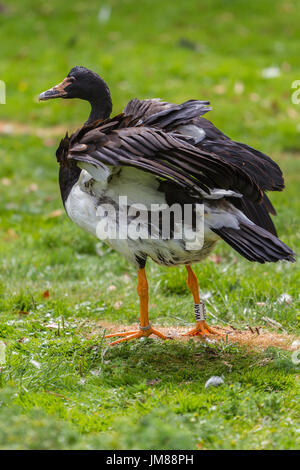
x=58, y=91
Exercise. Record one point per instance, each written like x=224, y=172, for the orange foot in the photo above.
x=202, y=329
x=142, y=332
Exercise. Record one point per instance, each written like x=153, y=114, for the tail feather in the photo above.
x=255, y=243
x=257, y=213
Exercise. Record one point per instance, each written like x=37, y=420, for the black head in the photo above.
x=84, y=84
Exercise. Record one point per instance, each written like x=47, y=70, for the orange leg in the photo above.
x=202, y=327
x=145, y=327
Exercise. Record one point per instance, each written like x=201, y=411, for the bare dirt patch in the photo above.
x=254, y=338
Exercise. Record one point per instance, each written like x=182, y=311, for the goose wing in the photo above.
x=164, y=115
x=169, y=117
x=260, y=166
x=122, y=142
x=188, y=116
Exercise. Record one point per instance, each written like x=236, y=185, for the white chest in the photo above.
x=81, y=208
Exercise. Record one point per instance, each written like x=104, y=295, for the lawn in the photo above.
x=61, y=386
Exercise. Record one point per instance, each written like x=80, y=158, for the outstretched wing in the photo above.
x=164, y=115
x=260, y=166
x=169, y=117
x=167, y=155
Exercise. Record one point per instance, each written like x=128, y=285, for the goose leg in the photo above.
x=202, y=328
x=145, y=327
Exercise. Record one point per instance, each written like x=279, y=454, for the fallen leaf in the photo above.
x=227, y=364
x=11, y=235
x=295, y=345
x=56, y=213
x=215, y=259
x=23, y=340
x=35, y=363
x=22, y=312
x=46, y=294
x=104, y=14
x=284, y=299
x=254, y=97
x=48, y=199
x=32, y=188
x=153, y=382
x=118, y=304
x=6, y=181
x=239, y=88
x=285, y=66
x=126, y=278
x=220, y=89
x=271, y=72
x=52, y=326
x=292, y=113
x=214, y=381
x=49, y=142
x=6, y=128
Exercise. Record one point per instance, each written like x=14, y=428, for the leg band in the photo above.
x=145, y=328
x=200, y=311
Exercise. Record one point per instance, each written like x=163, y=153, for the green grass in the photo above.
x=62, y=387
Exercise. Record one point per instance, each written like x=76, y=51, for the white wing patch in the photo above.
x=192, y=130
x=220, y=193
x=139, y=187
x=100, y=173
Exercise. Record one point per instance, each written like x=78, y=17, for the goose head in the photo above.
x=86, y=85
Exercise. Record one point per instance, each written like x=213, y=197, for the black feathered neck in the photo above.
x=89, y=86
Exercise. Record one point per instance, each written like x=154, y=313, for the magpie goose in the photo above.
x=157, y=154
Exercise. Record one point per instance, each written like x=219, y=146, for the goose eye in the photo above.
x=72, y=79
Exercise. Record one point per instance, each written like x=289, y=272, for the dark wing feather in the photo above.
x=270, y=177
x=163, y=115
x=256, y=243
x=177, y=115
x=257, y=213
x=167, y=116
x=258, y=165
x=263, y=170
x=164, y=155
